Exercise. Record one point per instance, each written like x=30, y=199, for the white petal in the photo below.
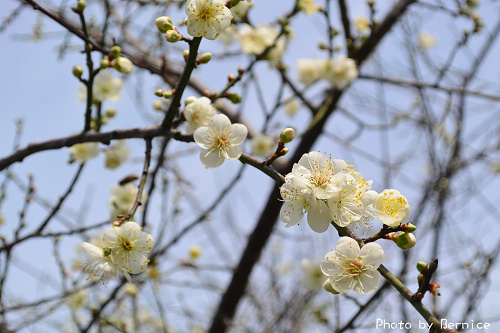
x=131, y=230
x=343, y=284
x=239, y=133
x=219, y=121
x=211, y=159
x=348, y=247
x=110, y=236
x=319, y=218
x=138, y=263
x=202, y=137
x=368, y=282
x=92, y=250
x=372, y=254
x=291, y=213
x=233, y=152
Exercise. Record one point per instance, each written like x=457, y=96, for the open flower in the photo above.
x=312, y=276
x=352, y=268
x=426, y=40
x=100, y=265
x=129, y=246
x=105, y=87
x=220, y=140
x=117, y=154
x=207, y=18
x=340, y=71
x=256, y=40
x=263, y=145
x=299, y=201
x=82, y=152
x=323, y=176
x=198, y=113
x=391, y=208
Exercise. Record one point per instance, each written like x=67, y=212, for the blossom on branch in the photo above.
x=391, y=208
x=129, y=247
x=100, y=265
x=81, y=152
x=198, y=113
x=220, y=140
x=207, y=18
x=353, y=268
x=105, y=87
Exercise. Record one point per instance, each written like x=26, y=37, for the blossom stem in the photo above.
x=144, y=176
x=410, y=297
x=173, y=110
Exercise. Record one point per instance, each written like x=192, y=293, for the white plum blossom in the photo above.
x=117, y=154
x=229, y=36
x=340, y=71
x=207, y=18
x=308, y=71
x=263, y=145
x=352, y=268
x=105, y=87
x=362, y=24
x=99, y=265
x=312, y=275
x=353, y=206
x=241, y=8
x=122, y=198
x=426, y=40
x=292, y=107
x=297, y=202
x=129, y=247
x=220, y=140
x=256, y=40
x=391, y=208
x=308, y=6
x=198, y=113
x=323, y=176
x=81, y=152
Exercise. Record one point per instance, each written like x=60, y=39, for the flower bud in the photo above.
x=130, y=289
x=164, y=24
x=104, y=63
x=111, y=112
x=158, y=105
x=405, y=240
x=189, y=100
x=287, y=135
x=420, y=278
x=284, y=151
x=410, y=228
x=185, y=54
x=195, y=252
x=123, y=65
x=231, y=77
x=104, y=120
x=115, y=51
x=172, y=36
x=327, y=285
x=167, y=94
x=80, y=5
x=77, y=71
x=159, y=92
x=205, y=58
x=422, y=266
x=233, y=97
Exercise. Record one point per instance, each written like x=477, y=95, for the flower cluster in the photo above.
x=332, y=190
x=125, y=249
x=340, y=72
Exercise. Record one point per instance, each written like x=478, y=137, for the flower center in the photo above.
x=355, y=267
x=127, y=245
x=393, y=205
x=221, y=142
x=205, y=14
